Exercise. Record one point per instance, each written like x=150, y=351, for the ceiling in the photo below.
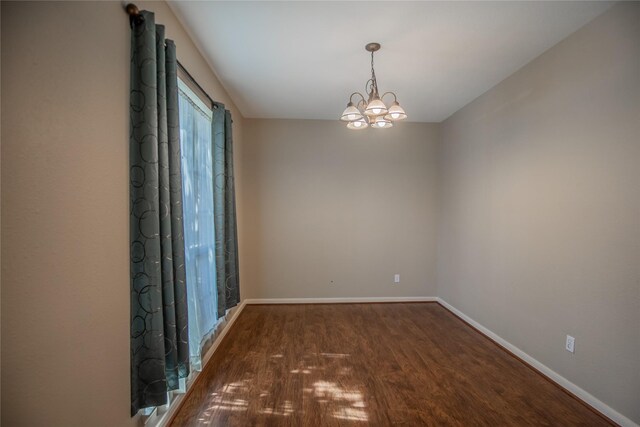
x=302, y=60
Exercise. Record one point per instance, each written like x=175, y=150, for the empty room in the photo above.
x=320, y=213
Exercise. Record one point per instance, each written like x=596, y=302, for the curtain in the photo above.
x=159, y=333
x=224, y=202
x=199, y=237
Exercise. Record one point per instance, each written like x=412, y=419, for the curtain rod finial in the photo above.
x=135, y=17
x=132, y=9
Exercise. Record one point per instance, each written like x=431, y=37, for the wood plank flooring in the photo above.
x=407, y=364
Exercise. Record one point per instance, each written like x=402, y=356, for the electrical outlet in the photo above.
x=570, y=344
x=396, y=278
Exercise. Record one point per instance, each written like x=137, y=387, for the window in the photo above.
x=199, y=237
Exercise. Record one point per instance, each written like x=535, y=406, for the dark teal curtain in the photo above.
x=224, y=207
x=159, y=335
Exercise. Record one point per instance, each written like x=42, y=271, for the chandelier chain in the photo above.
x=372, y=71
x=374, y=82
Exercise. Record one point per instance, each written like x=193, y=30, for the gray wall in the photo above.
x=65, y=208
x=324, y=203
x=539, y=230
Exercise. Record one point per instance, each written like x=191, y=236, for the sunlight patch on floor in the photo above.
x=351, y=400
x=342, y=402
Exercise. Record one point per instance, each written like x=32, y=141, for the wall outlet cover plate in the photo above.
x=570, y=344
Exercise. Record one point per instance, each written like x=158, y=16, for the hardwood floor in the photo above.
x=406, y=364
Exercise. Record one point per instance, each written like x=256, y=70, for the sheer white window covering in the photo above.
x=199, y=236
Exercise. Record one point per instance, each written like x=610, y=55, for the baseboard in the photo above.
x=349, y=300
x=578, y=392
x=168, y=416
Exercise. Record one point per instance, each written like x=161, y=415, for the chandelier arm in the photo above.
x=356, y=93
x=395, y=98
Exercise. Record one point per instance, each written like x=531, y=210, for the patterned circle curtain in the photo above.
x=159, y=335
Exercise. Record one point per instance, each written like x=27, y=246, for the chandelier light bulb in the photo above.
x=396, y=112
x=351, y=113
x=381, y=123
x=375, y=107
x=357, y=124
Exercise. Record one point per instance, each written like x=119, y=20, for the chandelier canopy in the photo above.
x=372, y=112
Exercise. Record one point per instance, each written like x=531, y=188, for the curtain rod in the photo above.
x=184, y=70
x=135, y=16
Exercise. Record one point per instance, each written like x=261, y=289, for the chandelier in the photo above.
x=372, y=112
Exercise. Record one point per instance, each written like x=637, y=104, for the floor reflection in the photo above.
x=285, y=410
x=329, y=385
x=226, y=399
x=349, y=401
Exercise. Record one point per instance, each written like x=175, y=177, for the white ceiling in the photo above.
x=302, y=60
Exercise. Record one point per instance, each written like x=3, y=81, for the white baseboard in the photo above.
x=349, y=300
x=600, y=406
